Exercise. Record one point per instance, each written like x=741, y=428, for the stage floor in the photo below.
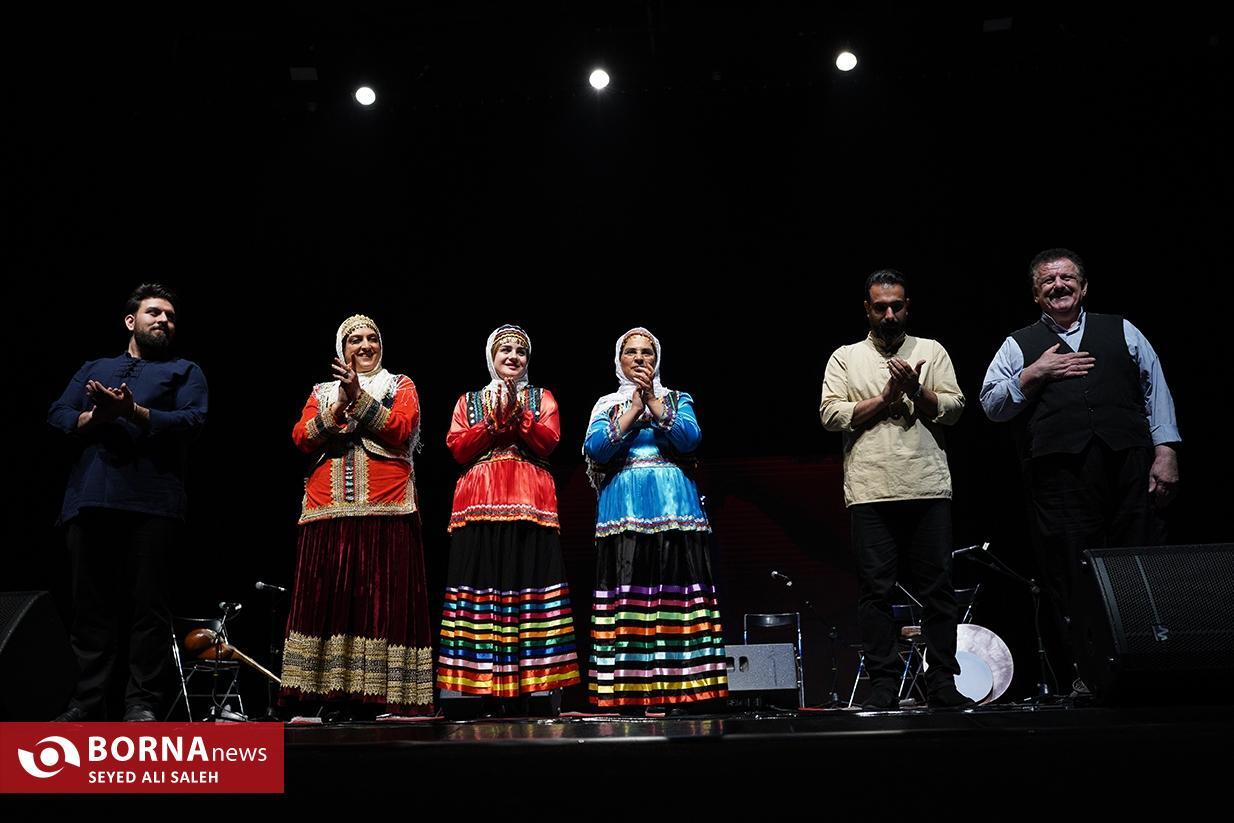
x=989, y=751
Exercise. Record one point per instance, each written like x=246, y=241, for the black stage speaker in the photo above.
x=37, y=668
x=762, y=674
x=1156, y=625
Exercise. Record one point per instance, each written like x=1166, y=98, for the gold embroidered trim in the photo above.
x=371, y=413
x=315, y=429
x=374, y=446
x=358, y=665
x=338, y=479
x=359, y=475
x=361, y=508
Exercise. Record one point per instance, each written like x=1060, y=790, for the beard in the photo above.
x=889, y=332
x=154, y=346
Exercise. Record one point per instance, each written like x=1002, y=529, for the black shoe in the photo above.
x=73, y=714
x=137, y=713
x=949, y=697
x=881, y=698
x=1081, y=695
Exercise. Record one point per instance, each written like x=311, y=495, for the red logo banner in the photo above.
x=141, y=758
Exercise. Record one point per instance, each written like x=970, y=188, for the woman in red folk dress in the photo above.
x=358, y=640
x=506, y=630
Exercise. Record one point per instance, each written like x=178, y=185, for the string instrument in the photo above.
x=206, y=645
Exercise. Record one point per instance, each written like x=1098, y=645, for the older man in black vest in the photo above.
x=1094, y=420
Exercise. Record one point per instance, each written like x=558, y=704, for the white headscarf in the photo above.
x=496, y=385
x=376, y=381
x=626, y=386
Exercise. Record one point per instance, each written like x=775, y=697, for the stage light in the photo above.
x=365, y=96
x=846, y=61
x=598, y=79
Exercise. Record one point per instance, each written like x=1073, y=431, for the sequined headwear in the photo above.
x=626, y=386
x=505, y=334
x=358, y=321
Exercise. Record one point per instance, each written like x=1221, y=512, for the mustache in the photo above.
x=890, y=328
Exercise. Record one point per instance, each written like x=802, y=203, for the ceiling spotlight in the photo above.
x=846, y=61
x=598, y=79
x=365, y=96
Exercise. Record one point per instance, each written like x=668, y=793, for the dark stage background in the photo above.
x=730, y=190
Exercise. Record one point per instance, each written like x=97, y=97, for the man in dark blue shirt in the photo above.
x=133, y=416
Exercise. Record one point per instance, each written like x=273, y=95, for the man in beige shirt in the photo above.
x=890, y=395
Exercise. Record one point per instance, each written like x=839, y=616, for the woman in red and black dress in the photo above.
x=358, y=637
x=507, y=629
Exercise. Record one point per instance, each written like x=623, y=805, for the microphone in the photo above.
x=783, y=578
x=261, y=587
x=975, y=547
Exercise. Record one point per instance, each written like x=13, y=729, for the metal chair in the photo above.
x=223, y=676
x=913, y=651
x=912, y=643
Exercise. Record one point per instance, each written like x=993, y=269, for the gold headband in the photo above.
x=642, y=333
x=511, y=336
x=357, y=321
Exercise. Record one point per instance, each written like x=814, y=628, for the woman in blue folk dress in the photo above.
x=656, y=633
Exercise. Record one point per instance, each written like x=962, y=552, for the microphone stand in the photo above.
x=276, y=647
x=833, y=696
x=218, y=712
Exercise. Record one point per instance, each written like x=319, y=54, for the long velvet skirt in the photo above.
x=358, y=631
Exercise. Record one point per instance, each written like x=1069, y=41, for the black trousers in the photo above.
x=120, y=559
x=1091, y=500
x=913, y=536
